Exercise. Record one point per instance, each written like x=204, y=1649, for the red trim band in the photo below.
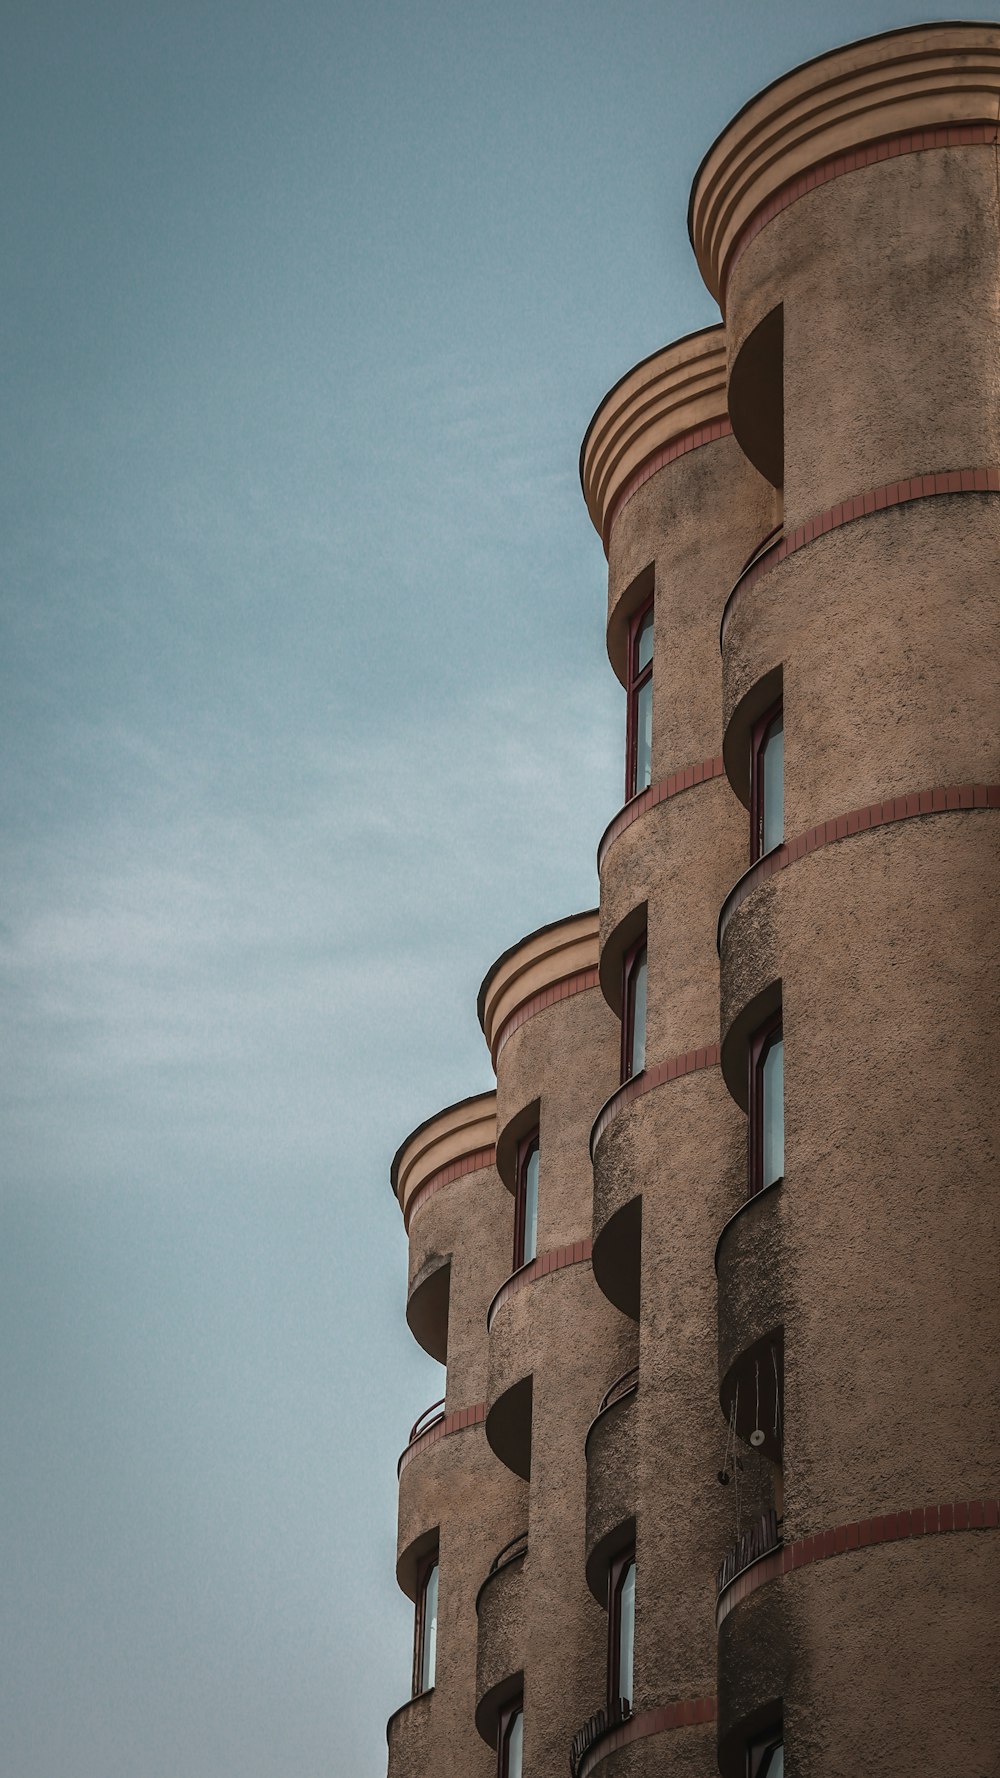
x=688, y=1063
x=466, y=1163
x=685, y=779
x=686, y=1713
x=539, y=1267
x=455, y=1422
x=678, y=447
x=884, y=148
x=563, y=990
x=860, y=506
x=939, y=801
x=859, y=1534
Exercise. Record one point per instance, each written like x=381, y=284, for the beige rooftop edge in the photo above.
x=674, y=390
x=888, y=85
x=451, y=1134
x=535, y=963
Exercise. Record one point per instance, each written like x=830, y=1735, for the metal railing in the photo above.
x=759, y=1539
x=518, y=1546
x=621, y=1386
x=596, y=1726
x=426, y=1420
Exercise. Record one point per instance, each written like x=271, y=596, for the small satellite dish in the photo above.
x=756, y=1438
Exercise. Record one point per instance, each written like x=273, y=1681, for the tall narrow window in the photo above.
x=767, y=1105
x=426, y=1627
x=766, y=1755
x=639, y=742
x=767, y=783
x=634, y=1010
x=510, y=1740
x=526, y=1202
x=621, y=1633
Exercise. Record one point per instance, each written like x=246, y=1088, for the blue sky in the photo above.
x=306, y=716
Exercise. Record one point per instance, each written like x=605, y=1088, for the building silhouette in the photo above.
x=714, y=1484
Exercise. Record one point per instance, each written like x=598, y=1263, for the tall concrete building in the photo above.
x=714, y=1484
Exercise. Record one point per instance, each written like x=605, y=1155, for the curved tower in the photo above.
x=715, y=1484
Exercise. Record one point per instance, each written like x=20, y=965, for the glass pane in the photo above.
x=773, y=1109
x=530, y=1206
x=772, y=769
x=626, y=1633
x=644, y=642
x=643, y=770
x=773, y=1764
x=515, y=1747
x=637, y=996
x=428, y=1647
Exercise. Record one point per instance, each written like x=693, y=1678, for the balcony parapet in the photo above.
x=514, y=1551
x=573, y=1254
x=758, y=1540
x=668, y=404
x=547, y=966
x=603, y=1742
x=908, y=90
x=458, y=1140
x=435, y=1424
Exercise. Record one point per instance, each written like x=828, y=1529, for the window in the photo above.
x=639, y=737
x=526, y=1202
x=767, y=1105
x=510, y=1740
x=766, y=1755
x=621, y=1633
x=767, y=783
x=425, y=1627
x=634, y=1010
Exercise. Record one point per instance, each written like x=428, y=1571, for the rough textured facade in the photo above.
x=715, y=1271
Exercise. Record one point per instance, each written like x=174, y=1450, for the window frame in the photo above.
x=425, y=1568
x=505, y=1723
x=760, y=1042
x=762, y=1745
x=636, y=679
x=617, y=1572
x=637, y=950
x=528, y=1145
x=758, y=736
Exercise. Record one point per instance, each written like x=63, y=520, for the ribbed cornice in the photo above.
x=450, y=1136
x=669, y=398
x=886, y=86
x=538, y=966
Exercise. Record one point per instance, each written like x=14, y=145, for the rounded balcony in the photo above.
x=676, y=394
x=441, y=1449
x=611, y=1465
x=646, y=1743
x=750, y=1266
x=410, y=1735
x=853, y=600
x=617, y=1151
x=501, y=1634
x=509, y=1389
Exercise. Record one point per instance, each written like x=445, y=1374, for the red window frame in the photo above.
x=633, y=957
x=761, y=1746
x=757, y=739
x=760, y=1043
x=637, y=678
x=505, y=1723
x=424, y=1571
x=620, y=1566
x=527, y=1146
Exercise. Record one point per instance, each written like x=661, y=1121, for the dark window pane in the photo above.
x=772, y=769
x=773, y=1111
x=643, y=767
x=530, y=1206
x=644, y=642
x=515, y=1746
x=626, y=1634
x=429, y=1630
x=637, y=1012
